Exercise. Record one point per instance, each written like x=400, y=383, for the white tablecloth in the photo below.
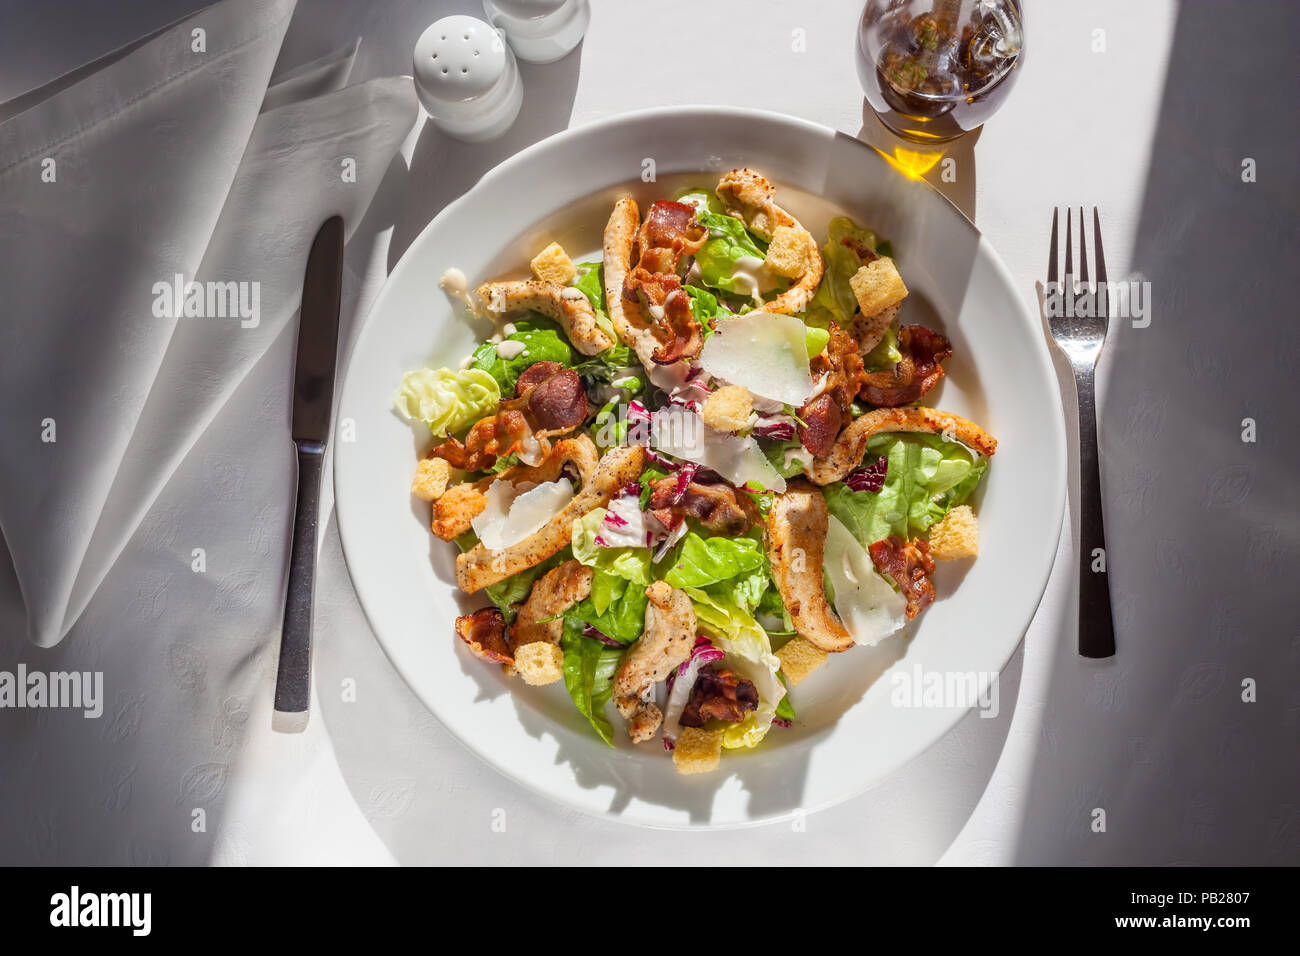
x=1117, y=108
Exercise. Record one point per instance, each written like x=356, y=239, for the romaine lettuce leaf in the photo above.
x=617, y=602
x=728, y=242
x=927, y=475
x=885, y=354
x=749, y=654
x=543, y=340
x=589, y=668
x=835, y=295
x=702, y=199
x=699, y=562
x=514, y=589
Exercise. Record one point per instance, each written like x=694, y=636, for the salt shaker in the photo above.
x=540, y=31
x=467, y=78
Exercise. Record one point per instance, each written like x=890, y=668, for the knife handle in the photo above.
x=293, y=676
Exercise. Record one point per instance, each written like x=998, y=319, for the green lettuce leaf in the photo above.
x=728, y=242
x=705, y=307
x=926, y=476
x=592, y=284
x=835, y=296
x=616, y=605
x=543, y=340
x=702, y=199
x=514, y=589
x=885, y=355
x=699, y=562
x=785, y=709
x=445, y=400
x=589, y=668
x=749, y=654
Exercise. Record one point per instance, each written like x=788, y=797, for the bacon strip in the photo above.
x=908, y=563
x=841, y=365
x=720, y=508
x=852, y=443
x=718, y=694
x=669, y=234
x=916, y=372
x=821, y=419
x=484, y=632
x=660, y=296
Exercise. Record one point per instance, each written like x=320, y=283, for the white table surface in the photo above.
x=1200, y=523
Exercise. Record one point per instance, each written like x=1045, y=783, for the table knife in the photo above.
x=313, y=397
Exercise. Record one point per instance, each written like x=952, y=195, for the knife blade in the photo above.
x=313, y=397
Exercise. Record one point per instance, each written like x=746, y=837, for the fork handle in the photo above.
x=1096, y=628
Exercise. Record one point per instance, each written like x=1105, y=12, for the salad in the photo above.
x=684, y=475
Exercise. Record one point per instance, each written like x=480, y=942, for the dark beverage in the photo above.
x=935, y=69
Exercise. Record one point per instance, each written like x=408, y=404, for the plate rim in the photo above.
x=1059, y=453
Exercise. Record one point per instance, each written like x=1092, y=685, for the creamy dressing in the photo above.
x=531, y=451
x=510, y=349
x=454, y=283
x=751, y=277
x=797, y=454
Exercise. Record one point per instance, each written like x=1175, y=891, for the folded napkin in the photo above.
x=175, y=166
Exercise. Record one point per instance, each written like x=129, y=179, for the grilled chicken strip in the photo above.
x=556, y=591
x=667, y=641
x=566, y=305
x=852, y=443
x=620, y=243
x=461, y=504
x=868, y=330
x=480, y=566
x=748, y=195
x=796, y=540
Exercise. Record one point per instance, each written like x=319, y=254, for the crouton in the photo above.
x=877, y=286
x=697, y=750
x=956, y=536
x=728, y=409
x=787, y=255
x=539, y=663
x=553, y=264
x=799, y=658
x=431, y=479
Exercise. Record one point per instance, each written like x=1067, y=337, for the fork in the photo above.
x=1080, y=338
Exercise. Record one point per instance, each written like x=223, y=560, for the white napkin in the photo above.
x=161, y=166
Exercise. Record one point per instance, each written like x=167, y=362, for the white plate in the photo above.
x=849, y=735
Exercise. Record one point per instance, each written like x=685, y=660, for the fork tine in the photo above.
x=1099, y=255
x=1103, y=299
x=1069, y=250
x=1052, y=252
x=1083, y=249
